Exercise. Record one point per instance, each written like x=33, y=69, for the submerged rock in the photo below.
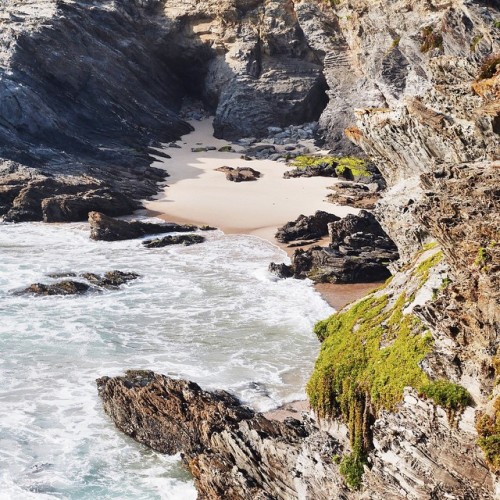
x=106, y=228
x=183, y=239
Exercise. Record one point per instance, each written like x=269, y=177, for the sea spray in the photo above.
x=209, y=313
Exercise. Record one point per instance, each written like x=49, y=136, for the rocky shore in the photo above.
x=404, y=394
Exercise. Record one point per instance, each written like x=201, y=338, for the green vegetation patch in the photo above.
x=488, y=428
x=370, y=353
x=314, y=161
x=452, y=397
x=345, y=166
x=424, y=268
x=474, y=42
x=352, y=468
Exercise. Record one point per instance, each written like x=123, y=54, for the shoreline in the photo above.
x=194, y=193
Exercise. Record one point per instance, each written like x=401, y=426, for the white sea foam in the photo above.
x=210, y=313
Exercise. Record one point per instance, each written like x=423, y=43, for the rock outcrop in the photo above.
x=240, y=174
x=182, y=239
x=106, y=228
x=110, y=280
x=248, y=456
x=359, y=252
x=305, y=227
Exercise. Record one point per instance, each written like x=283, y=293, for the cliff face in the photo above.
x=87, y=87
x=410, y=83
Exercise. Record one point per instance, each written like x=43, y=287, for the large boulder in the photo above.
x=359, y=252
x=231, y=451
x=304, y=227
x=106, y=228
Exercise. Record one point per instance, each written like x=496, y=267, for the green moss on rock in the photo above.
x=488, y=428
x=452, y=397
x=348, y=167
x=424, y=268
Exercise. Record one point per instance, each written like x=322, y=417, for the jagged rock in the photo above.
x=183, y=239
x=239, y=174
x=62, y=118
x=110, y=280
x=359, y=252
x=67, y=208
x=67, y=287
x=304, y=228
x=281, y=270
x=106, y=228
x=231, y=451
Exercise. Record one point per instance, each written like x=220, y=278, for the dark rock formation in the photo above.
x=183, y=239
x=281, y=270
x=306, y=228
x=106, y=228
x=249, y=457
x=111, y=279
x=25, y=197
x=94, y=282
x=66, y=287
x=359, y=252
x=239, y=174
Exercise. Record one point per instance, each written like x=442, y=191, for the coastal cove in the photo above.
x=191, y=314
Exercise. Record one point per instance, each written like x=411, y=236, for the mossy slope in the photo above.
x=370, y=353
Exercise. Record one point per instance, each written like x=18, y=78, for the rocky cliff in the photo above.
x=406, y=382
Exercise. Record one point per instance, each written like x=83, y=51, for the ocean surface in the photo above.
x=210, y=313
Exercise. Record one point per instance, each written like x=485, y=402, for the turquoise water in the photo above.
x=210, y=313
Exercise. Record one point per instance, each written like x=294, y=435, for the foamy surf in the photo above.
x=208, y=313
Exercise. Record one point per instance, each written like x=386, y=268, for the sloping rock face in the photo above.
x=74, y=101
x=249, y=457
x=87, y=86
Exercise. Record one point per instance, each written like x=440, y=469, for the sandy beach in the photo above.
x=198, y=194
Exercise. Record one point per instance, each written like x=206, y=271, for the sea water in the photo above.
x=210, y=313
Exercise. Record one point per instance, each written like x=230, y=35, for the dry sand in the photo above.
x=196, y=193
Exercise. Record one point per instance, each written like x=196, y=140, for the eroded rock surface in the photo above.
x=106, y=228
x=359, y=252
x=248, y=456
